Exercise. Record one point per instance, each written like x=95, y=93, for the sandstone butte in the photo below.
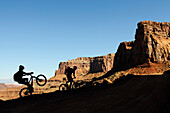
x=150, y=48
x=87, y=65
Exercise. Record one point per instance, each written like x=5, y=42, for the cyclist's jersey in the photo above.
x=18, y=75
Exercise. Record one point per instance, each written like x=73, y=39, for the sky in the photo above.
x=40, y=34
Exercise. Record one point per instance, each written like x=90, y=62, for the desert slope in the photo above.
x=131, y=94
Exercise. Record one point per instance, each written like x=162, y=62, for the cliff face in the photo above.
x=102, y=63
x=151, y=45
x=82, y=63
x=88, y=64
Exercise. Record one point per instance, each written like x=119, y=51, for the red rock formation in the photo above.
x=123, y=57
x=101, y=63
x=152, y=44
x=83, y=66
x=88, y=64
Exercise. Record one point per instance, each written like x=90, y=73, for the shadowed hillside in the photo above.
x=130, y=94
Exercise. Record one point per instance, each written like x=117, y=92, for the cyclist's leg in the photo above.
x=71, y=82
x=30, y=87
x=25, y=82
x=68, y=84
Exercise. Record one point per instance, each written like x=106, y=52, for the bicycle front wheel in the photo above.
x=41, y=80
x=63, y=87
x=25, y=92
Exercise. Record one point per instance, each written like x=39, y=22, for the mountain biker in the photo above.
x=69, y=71
x=18, y=77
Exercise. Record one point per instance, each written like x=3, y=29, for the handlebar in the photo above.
x=30, y=73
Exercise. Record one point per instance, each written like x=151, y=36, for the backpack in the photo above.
x=16, y=76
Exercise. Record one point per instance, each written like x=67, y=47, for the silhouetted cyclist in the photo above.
x=69, y=71
x=18, y=77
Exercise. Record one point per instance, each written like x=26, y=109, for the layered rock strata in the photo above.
x=101, y=63
x=88, y=64
x=151, y=45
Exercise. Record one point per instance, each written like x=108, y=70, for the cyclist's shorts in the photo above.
x=70, y=79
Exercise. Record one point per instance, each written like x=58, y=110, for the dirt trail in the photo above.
x=139, y=94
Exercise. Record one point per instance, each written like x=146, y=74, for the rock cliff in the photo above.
x=101, y=63
x=88, y=64
x=151, y=45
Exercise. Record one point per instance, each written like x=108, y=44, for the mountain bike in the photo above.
x=75, y=85
x=66, y=86
x=41, y=80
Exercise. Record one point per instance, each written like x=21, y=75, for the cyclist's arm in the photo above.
x=27, y=73
x=66, y=71
x=74, y=74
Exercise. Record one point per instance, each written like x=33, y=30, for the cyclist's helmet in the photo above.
x=75, y=67
x=21, y=67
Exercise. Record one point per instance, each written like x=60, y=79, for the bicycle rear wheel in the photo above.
x=41, y=80
x=63, y=87
x=25, y=92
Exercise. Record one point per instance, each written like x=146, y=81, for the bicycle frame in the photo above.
x=31, y=80
x=27, y=90
x=70, y=85
x=67, y=85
